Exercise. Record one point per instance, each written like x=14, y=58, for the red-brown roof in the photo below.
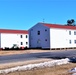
x=13, y=31
x=60, y=26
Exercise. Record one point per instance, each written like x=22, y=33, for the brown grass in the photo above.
x=21, y=52
x=57, y=70
x=21, y=63
x=27, y=51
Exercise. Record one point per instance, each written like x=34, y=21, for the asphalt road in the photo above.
x=35, y=56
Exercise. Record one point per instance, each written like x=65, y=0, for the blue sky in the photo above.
x=23, y=14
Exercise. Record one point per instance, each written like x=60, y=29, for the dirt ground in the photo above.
x=24, y=51
x=57, y=70
x=14, y=64
x=21, y=52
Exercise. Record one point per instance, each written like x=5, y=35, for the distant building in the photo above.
x=44, y=35
x=9, y=38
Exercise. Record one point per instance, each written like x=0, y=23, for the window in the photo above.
x=38, y=32
x=45, y=29
x=70, y=41
x=75, y=41
x=21, y=43
x=74, y=32
x=26, y=36
x=45, y=39
x=69, y=32
x=21, y=36
x=26, y=43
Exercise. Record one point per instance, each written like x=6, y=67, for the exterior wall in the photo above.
x=7, y=40
x=60, y=38
x=42, y=40
x=71, y=37
x=23, y=39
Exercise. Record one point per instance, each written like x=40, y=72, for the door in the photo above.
x=39, y=43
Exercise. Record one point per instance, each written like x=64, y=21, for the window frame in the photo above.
x=69, y=32
x=21, y=43
x=45, y=30
x=26, y=43
x=70, y=42
x=74, y=32
x=26, y=36
x=38, y=32
x=75, y=41
x=45, y=39
x=21, y=36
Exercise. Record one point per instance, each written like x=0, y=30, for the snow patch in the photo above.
x=74, y=74
x=73, y=71
x=39, y=65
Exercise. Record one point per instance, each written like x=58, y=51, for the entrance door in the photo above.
x=39, y=43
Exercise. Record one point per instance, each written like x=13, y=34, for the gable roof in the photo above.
x=59, y=26
x=13, y=31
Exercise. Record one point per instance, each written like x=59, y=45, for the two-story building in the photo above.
x=8, y=38
x=44, y=35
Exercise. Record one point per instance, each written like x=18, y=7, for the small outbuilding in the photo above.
x=49, y=36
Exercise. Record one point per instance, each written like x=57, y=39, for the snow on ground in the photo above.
x=73, y=70
x=38, y=65
x=74, y=74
